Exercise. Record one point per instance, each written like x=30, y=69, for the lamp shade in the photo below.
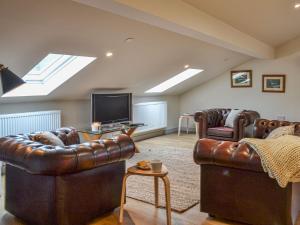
x=9, y=80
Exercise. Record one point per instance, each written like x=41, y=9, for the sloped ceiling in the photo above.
x=33, y=28
x=271, y=21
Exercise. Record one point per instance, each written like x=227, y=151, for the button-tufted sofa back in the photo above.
x=216, y=117
x=263, y=127
x=37, y=158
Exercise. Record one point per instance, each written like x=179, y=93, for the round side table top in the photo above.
x=136, y=171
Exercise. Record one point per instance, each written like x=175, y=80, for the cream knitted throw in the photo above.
x=280, y=157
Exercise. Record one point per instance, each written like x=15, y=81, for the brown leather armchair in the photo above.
x=211, y=124
x=235, y=187
x=51, y=185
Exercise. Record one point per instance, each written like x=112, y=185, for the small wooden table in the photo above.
x=134, y=170
x=188, y=117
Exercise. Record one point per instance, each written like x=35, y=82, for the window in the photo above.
x=186, y=74
x=49, y=74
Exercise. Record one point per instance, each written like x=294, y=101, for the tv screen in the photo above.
x=111, y=108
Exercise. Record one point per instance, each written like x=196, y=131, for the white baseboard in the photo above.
x=142, y=135
x=171, y=130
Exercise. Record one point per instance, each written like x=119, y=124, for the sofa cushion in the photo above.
x=48, y=138
x=220, y=131
x=232, y=116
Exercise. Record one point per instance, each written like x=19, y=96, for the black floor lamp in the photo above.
x=9, y=80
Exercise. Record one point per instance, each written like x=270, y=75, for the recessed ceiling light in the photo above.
x=187, y=66
x=297, y=5
x=109, y=54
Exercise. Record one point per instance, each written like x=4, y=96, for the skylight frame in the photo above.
x=50, y=70
x=33, y=70
x=46, y=83
x=175, y=80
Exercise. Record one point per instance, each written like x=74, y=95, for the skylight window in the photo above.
x=49, y=74
x=186, y=74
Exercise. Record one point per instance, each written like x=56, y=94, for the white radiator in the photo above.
x=20, y=123
x=153, y=114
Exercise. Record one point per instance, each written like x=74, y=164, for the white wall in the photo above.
x=74, y=113
x=218, y=92
x=77, y=113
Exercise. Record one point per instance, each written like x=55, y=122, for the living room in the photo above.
x=98, y=95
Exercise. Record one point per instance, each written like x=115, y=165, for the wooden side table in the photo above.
x=188, y=118
x=134, y=170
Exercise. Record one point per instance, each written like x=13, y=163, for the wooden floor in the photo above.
x=139, y=213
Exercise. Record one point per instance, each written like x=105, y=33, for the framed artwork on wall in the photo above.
x=241, y=78
x=273, y=83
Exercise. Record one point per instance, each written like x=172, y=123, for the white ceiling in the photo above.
x=33, y=28
x=272, y=21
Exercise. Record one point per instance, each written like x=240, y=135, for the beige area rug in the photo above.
x=184, y=176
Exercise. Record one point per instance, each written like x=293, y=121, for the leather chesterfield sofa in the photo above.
x=211, y=124
x=235, y=187
x=50, y=185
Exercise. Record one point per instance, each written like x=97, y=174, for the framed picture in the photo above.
x=273, y=83
x=241, y=78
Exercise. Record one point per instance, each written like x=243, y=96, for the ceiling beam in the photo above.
x=291, y=47
x=182, y=18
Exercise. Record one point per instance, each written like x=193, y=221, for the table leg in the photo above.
x=137, y=150
x=187, y=125
x=179, y=125
x=129, y=133
x=156, y=191
x=91, y=137
x=197, y=129
x=168, y=199
x=123, y=197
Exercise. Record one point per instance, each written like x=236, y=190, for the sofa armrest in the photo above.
x=201, y=118
x=226, y=153
x=239, y=124
x=37, y=158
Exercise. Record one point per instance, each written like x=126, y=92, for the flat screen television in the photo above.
x=111, y=108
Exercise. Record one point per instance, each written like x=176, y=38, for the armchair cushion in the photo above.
x=220, y=131
x=229, y=122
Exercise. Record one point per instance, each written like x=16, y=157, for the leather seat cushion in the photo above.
x=220, y=131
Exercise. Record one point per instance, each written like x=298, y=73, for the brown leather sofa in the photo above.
x=50, y=185
x=211, y=124
x=234, y=185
